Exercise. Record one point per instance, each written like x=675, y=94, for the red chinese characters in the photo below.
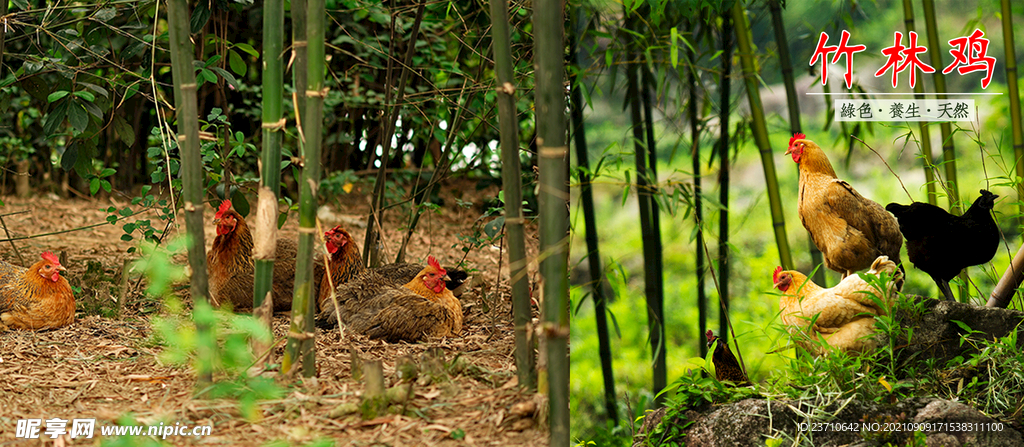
x=971, y=52
x=843, y=49
x=901, y=57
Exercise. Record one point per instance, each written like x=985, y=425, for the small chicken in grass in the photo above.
x=941, y=244
x=371, y=305
x=37, y=297
x=850, y=230
x=726, y=365
x=844, y=315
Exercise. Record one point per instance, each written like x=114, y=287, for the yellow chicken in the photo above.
x=844, y=315
x=850, y=230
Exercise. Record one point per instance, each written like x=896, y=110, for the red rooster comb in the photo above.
x=431, y=261
x=52, y=258
x=796, y=136
x=710, y=335
x=224, y=207
x=775, y=275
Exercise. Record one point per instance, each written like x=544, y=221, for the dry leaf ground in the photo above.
x=103, y=367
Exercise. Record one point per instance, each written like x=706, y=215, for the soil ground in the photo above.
x=105, y=367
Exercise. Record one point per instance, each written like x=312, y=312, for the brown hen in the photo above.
x=346, y=262
x=727, y=368
x=371, y=305
x=850, y=230
x=37, y=297
x=231, y=268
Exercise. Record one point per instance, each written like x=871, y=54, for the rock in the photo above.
x=753, y=421
x=977, y=428
x=936, y=335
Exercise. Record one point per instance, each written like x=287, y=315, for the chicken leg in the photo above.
x=944, y=287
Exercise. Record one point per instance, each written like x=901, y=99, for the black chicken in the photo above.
x=726, y=365
x=941, y=244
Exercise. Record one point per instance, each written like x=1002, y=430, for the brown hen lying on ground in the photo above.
x=346, y=262
x=231, y=268
x=37, y=297
x=371, y=305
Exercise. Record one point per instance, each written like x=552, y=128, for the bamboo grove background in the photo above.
x=680, y=114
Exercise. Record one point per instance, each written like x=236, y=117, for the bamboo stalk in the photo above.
x=1004, y=290
x=761, y=132
x=553, y=207
x=511, y=178
x=598, y=282
x=691, y=107
x=657, y=304
x=191, y=174
x=370, y=250
x=926, y=141
x=1014, y=91
x=948, y=149
x=725, y=90
x=794, y=115
x=270, y=163
x=300, y=340
x=652, y=292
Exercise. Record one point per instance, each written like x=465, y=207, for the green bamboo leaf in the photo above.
x=228, y=77
x=85, y=95
x=54, y=119
x=69, y=157
x=105, y=14
x=57, y=95
x=674, y=47
x=238, y=66
x=248, y=49
x=123, y=130
x=78, y=117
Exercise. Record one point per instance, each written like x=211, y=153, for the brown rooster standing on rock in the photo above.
x=850, y=230
x=371, y=305
x=231, y=268
x=37, y=297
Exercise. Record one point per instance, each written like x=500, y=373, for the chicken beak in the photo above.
x=61, y=268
